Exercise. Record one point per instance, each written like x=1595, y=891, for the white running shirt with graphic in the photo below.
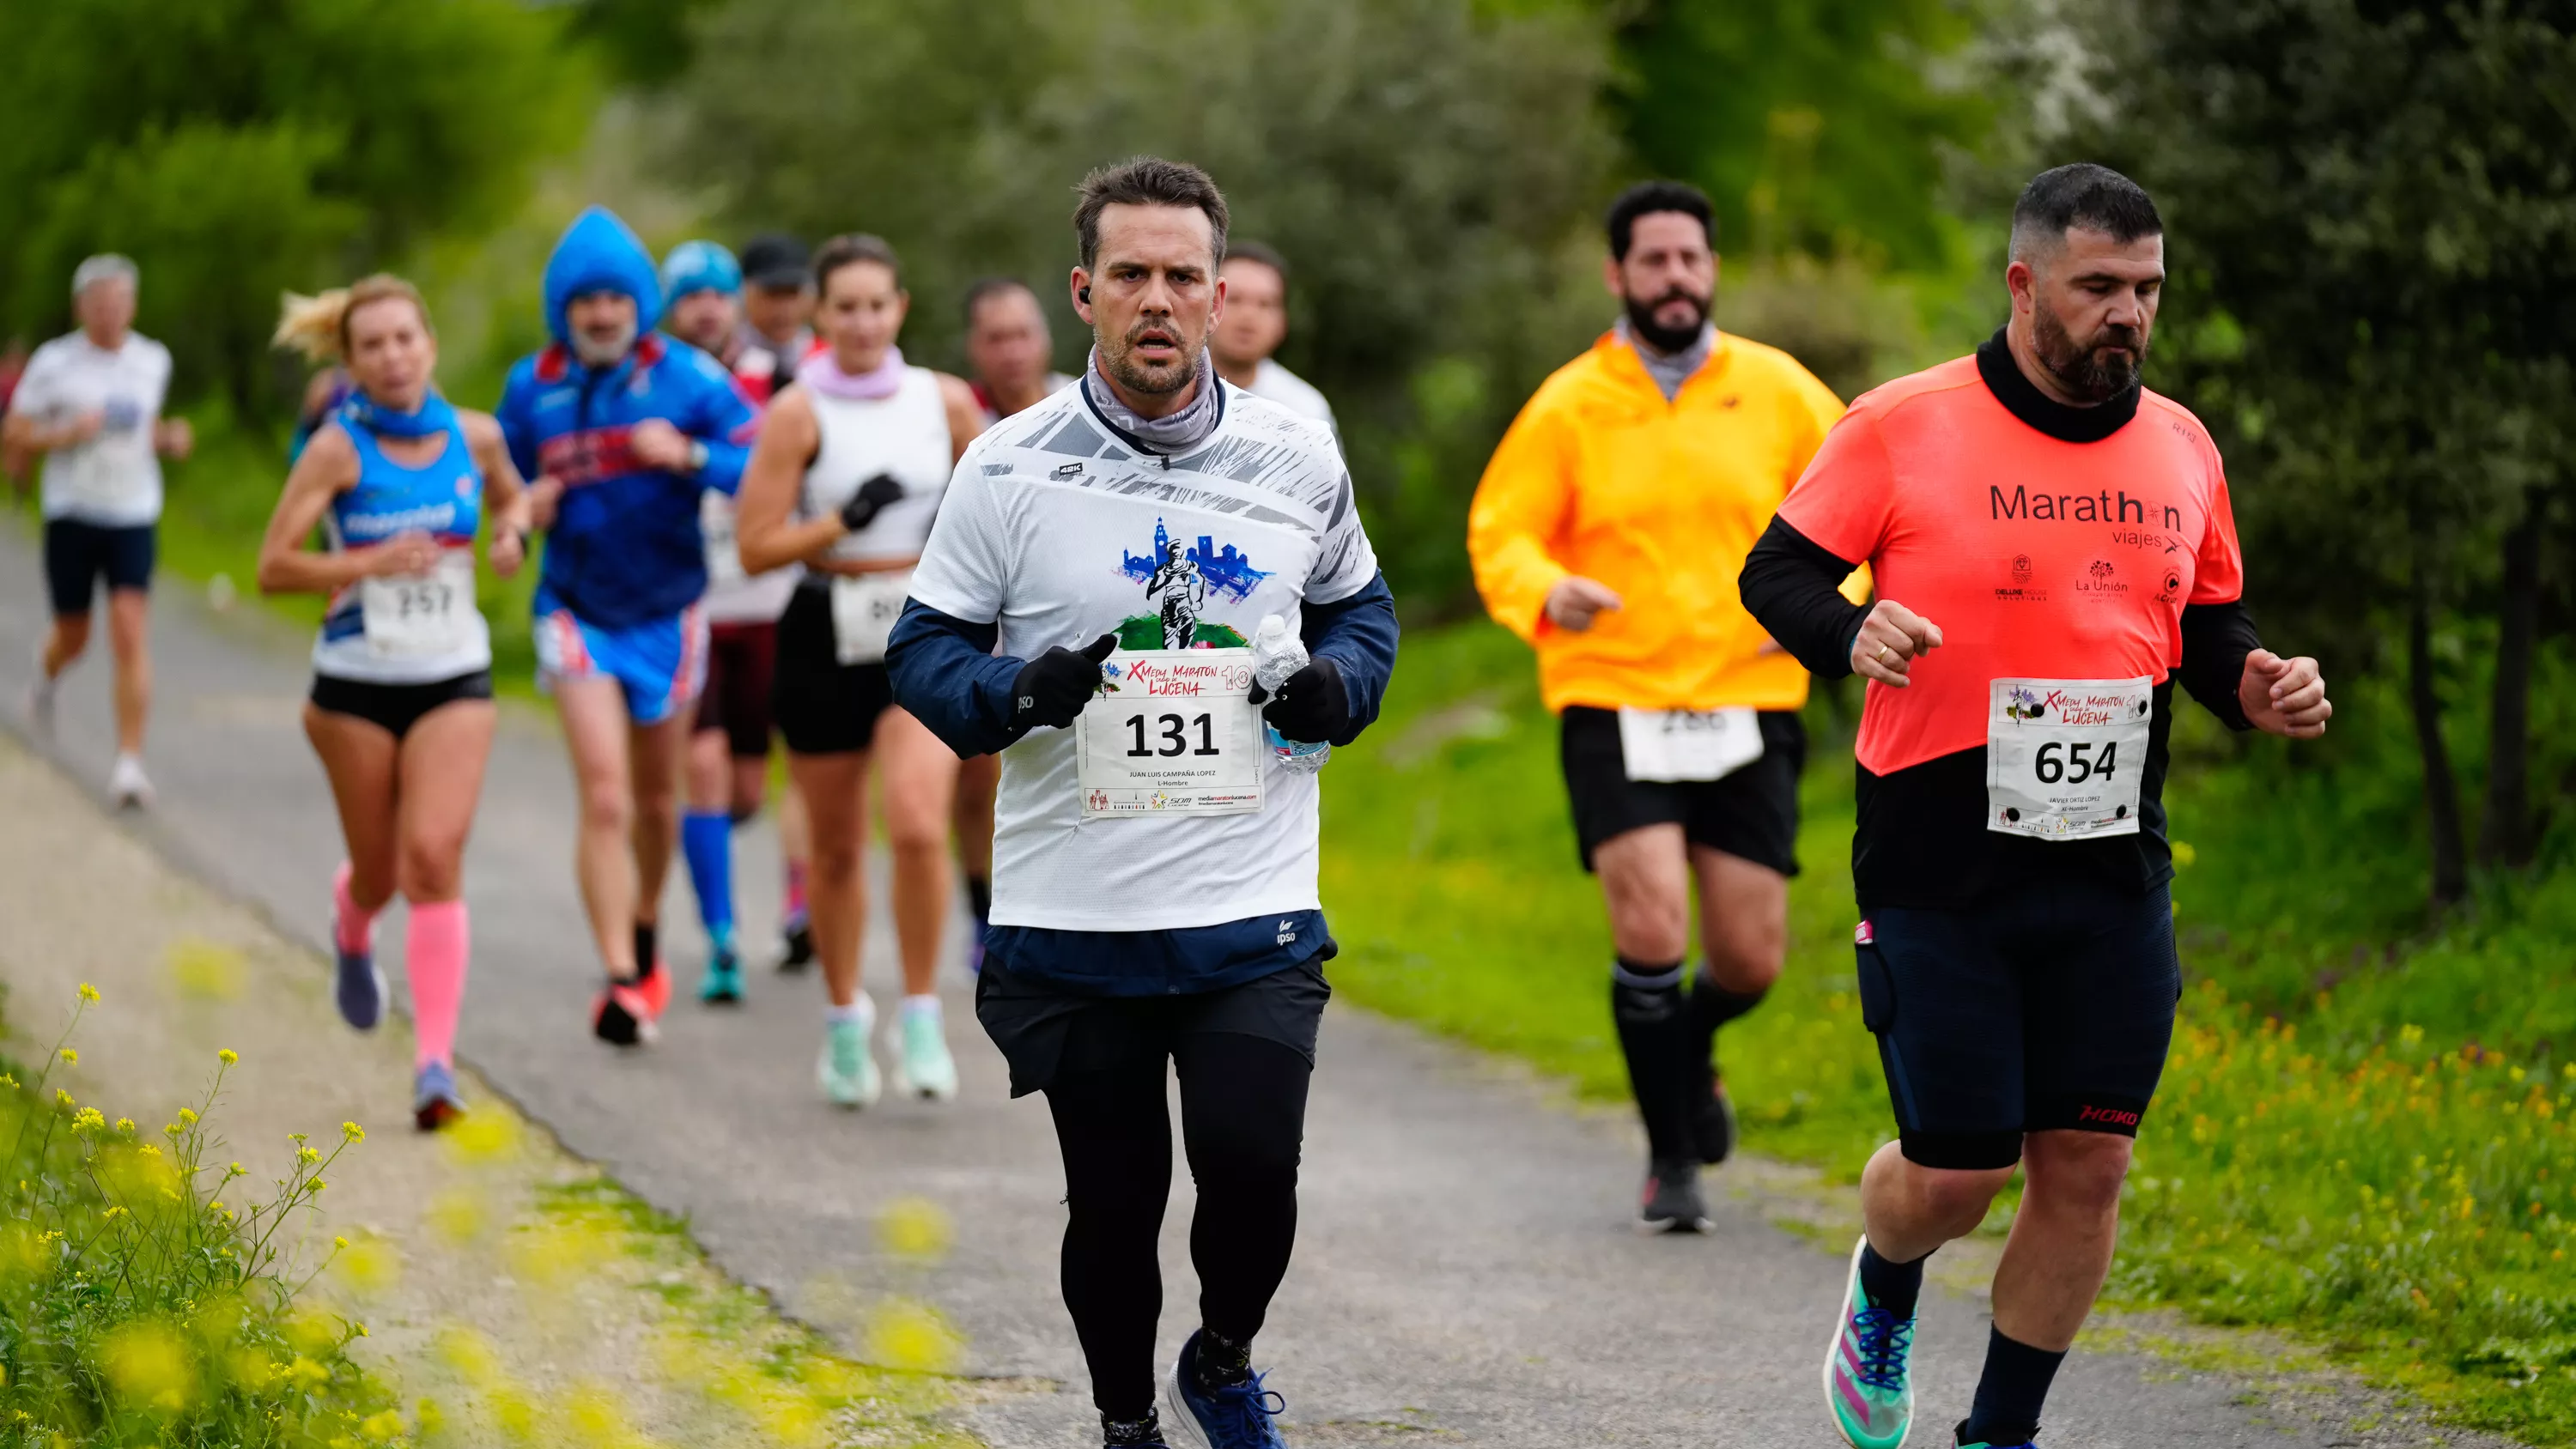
x=1054, y=529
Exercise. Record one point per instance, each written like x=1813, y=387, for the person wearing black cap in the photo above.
x=778, y=302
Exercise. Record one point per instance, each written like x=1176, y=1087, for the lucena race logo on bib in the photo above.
x=1182, y=584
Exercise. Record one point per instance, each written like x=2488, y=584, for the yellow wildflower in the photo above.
x=88, y=992
x=352, y=1132
x=70, y=1056
x=228, y=1057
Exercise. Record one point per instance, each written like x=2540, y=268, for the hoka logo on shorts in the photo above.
x=2106, y=1116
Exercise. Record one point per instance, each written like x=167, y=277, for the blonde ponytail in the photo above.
x=318, y=327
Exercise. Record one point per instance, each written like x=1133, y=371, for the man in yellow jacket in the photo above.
x=1608, y=532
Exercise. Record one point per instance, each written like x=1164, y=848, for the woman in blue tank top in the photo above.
x=401, y=713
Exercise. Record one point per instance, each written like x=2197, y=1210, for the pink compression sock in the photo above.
x=352, y=929
x=795, y=890
x=434, y=954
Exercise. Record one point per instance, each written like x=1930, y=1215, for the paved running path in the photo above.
x=1464, y=1264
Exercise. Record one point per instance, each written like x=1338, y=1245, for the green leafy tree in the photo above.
x=2373, y=209
x=236, y=147
x=1429, y=167
x=1820, y=127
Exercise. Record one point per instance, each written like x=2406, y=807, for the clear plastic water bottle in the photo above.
x=1277, y=653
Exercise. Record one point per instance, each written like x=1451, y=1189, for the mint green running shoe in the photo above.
x=848, y=1070
x=1866, y=1383
x=924, y=1068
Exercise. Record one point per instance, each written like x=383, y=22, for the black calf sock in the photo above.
x=979, y=894
x=2011, y=1392
x=1655, y=1036
x=1220, y=1361
x=1713, y=1006
x=646, y=953
x=1896, y=1287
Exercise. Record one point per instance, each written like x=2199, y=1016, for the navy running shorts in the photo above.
x=2047, y=1005
x=78, y=555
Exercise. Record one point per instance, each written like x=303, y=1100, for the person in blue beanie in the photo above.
x=623, y=431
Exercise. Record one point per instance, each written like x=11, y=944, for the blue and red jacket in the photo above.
x=625, y=547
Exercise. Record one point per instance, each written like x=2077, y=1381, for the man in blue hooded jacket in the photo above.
x=623, y=431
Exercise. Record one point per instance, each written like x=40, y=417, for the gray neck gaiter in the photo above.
x=1177, y=433
x=1670, y=371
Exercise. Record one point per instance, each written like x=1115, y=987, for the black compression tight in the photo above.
x=1243, y=1118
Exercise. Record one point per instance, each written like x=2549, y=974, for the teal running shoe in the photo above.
x=722, y=985
x=1867, y=1387
x=924, y=1069
x=848, y=1070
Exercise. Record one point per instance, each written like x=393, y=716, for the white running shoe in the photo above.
x=848, y=1069
x=923, y=1068
x=38, y=702
x=127, y=785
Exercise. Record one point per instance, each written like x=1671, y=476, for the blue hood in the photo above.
x=600, y=253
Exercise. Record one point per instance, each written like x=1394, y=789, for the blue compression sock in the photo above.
x=707, y=841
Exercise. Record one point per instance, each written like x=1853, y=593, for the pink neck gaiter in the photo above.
x=823, y=374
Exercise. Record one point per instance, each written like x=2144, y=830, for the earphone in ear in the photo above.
x=1085, y=295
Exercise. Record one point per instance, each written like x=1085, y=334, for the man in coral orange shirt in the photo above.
x=2053, y=548
x=1607, y=532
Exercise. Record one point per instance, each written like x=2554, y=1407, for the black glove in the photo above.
x=1311, y=706
x=1052, y=688
x=872, y=497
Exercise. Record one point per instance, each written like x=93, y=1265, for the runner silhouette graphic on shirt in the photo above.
x=1181, y=591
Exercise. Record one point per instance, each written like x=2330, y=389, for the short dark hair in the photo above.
x=1146, y=181
x=1648, y=197
x=1253, y=251
x=2082, y=194
x=988, y=287
x=848, y=250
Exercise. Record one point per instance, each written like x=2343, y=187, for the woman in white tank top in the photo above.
x=847, y=476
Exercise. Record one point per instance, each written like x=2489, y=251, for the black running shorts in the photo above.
x=1751, y=814
x=1046, y=1027
x=2049, y=1004
x=396, y=707
x=823, y=707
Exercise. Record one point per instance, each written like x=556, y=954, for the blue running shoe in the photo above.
x=1239, y=1416
x=361, y=987
x=434, y=1099
x=1867, y=1387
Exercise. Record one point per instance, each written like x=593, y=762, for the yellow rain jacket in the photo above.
x=1600, y=476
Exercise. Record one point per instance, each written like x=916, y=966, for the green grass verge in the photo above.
x=2381, y=1157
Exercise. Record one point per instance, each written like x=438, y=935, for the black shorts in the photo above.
x=1751, y=814
x=823, y=707
x=1045, y=1028
x=396, y=707
x=742, y=665
x=78, y=555
x=2048, y=1005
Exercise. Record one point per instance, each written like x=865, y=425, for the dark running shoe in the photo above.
x=1238, y=1416
x=1713, y=1120
x=622, y=1016
x=1670, y=1202
x=796, y=947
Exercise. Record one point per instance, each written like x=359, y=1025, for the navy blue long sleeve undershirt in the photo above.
x=946, y=675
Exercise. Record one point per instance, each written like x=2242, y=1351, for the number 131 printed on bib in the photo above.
x=1173, y=733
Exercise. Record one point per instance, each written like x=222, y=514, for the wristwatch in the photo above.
x=697, y=456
